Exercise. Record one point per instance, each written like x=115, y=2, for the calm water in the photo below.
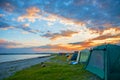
x=6, y=58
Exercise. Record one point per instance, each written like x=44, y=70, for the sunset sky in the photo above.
x=28, y=26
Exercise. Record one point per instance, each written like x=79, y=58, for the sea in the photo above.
x=15, y=57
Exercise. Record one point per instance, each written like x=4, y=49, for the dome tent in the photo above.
x=104, y=61
x=74, y=56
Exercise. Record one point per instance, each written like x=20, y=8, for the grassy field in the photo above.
x=56, y=69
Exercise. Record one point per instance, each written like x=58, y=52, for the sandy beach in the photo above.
x=9, y=68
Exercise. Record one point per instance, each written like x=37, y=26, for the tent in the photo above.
x=83, y=56
x=104, y=61
x=74, y=56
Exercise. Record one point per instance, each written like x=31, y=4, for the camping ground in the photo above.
x=56, y=68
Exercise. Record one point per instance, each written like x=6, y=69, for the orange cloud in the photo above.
x=106, y=37
x=8, y=44
x=26, y=25
x=2, y=41
x=107, y=25
x=63, y=34
x=31, y=15
x=112, y=31
x=83, y=45
x=54, y=36
x=51, y=17
x=32, y=11
x=35, y=13
x=56, y=48
x=111, y=35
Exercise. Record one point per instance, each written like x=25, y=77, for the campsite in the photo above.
x=59, y=39
x=102, y=60
x=56, y=69
x=94, y=64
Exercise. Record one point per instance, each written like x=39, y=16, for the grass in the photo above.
x=56, y=69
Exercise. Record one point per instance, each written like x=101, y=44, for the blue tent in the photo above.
x=74, y=56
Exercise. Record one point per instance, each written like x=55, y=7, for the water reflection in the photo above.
x=6, y=58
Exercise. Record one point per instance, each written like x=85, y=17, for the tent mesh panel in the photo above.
x=84, y=56
x=96, y=63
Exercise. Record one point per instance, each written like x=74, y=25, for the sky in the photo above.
x=41, y=26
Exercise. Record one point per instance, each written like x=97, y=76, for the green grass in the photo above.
x=56, y=69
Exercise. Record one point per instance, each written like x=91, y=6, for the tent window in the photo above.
x=97, y=59
x=84, y=56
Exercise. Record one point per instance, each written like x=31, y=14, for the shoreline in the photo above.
x=23, y=59
x=9, y=68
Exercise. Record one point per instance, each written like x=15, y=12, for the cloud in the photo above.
x=15, y=46
x=28, y=29
x=98, y=12
x=83, y=45
x=93, y=22
x=3, y=25
x=106, y=36
x=34, y=13
x=111, y=29
x=31, y=15
x=62, y=20
x=25, y=32
x=8, y=44
x=69, y=21
x=6, y=26
x=111, y=35
x=26, y=25
x=7, y=6
x=54, y=36
x=47, y=48
x=1, y=15
x=76, y=43
x=55, y=48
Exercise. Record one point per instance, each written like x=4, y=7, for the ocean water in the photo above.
x=6, y=58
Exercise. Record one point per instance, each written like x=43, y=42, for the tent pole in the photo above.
x=78, y=57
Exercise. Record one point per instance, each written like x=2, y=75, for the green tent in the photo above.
x=104, y=61
x=83, y=56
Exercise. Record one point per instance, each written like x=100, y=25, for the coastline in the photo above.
x=9, y=68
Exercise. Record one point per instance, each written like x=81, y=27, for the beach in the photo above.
x=9, y=68
x=56, y=68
